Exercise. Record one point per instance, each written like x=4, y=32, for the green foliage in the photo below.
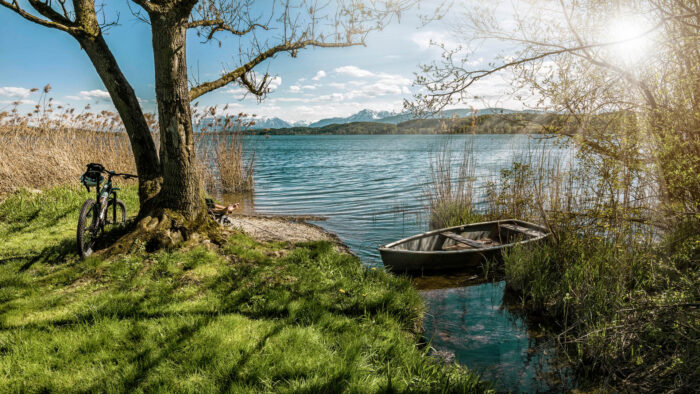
x=629, y=310
x=246, y=317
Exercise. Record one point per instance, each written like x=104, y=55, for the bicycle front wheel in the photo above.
x=87, y=229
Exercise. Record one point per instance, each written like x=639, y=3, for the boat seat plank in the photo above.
x=461, y=239
x=521, y=229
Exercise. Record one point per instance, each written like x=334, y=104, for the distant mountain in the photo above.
x=448, y=113
x=366, y=115
x=269, y=123
x=495, y=122
x=370, y=116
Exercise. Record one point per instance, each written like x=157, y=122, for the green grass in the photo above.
x=246, y=317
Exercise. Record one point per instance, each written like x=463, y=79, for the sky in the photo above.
x=318, y=83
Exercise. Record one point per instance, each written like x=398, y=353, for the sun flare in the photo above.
x=632, y=35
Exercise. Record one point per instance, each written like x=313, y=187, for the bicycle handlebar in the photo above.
x=123, y=175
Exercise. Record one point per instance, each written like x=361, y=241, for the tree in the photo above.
x=168, y=178
x=625, y=73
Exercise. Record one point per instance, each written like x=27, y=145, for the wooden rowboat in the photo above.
x=456, y=247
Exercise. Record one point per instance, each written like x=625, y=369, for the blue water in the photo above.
x=370, y=189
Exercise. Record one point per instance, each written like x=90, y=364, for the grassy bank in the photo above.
x=245, y=317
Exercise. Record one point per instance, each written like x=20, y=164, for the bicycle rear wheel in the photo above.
x=87, y=229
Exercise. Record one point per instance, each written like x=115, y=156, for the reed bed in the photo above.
x=51, y=145
x=224, y=165
x=619, y=280
x=450, y=191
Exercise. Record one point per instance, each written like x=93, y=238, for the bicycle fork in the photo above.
x=103, y=205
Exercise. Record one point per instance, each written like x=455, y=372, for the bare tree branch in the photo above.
x=148, y=5
x=62, y=24
x=259, y=89
x=232, y=76
x=218, y=25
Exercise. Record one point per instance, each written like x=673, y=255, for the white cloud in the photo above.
x=90, y=94
x=476, y=62
x=427, y=39
x=20, y=102
x=320, y=74
x=275, y=82
x=299, y=88
x=11, y=91
x=384, y=85
x=236, y=91
x=354, y=71
x=96, y=93
x=378, y=85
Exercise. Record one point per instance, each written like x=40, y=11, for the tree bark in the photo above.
x=126, y=103
x=181, y=187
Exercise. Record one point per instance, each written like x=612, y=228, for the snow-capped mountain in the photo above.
x=269, y=123
x=366, y=115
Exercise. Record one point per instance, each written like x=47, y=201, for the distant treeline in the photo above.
x=517, y=123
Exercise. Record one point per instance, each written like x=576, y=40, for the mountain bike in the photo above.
x=104, y=212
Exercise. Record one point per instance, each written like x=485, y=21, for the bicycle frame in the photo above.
x=102, y=197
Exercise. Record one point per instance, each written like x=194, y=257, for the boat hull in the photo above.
x=403, y=261
x=424, y=252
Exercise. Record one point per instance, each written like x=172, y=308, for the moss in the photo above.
x=243, y=317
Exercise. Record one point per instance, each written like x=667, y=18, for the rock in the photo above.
x=446, y=357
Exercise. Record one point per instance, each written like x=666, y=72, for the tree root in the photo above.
x=165, y=229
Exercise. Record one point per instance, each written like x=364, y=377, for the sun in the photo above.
x=632, y=38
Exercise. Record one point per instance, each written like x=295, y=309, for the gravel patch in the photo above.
x=282, y=228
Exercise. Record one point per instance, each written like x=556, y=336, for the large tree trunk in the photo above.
x=181, y=187
x=126, y=103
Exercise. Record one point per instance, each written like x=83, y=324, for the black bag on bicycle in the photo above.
x=93, y=175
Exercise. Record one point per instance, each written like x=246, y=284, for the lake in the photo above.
x=370, y=188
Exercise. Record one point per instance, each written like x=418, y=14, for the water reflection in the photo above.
x=245, y=200
x=487, y=336
x=451, y=279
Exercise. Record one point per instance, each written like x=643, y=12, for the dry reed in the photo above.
x=51, y=145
